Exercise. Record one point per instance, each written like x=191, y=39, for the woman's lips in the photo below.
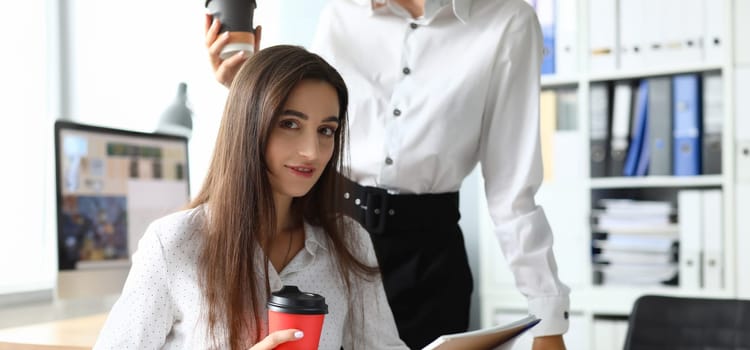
x=303, y=171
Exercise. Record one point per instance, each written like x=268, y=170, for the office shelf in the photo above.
x=570, y=197
x=656, y=181
x=647, y=73
x=550, y=81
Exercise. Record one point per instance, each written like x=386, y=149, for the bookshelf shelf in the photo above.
x=657, y=181
x=647, y=73
x=550, y=81
x=600, y=300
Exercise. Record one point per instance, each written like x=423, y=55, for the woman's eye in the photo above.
x=327, y=131
x=289, y=124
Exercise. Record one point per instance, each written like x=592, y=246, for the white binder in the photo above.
x=742, y=124
x=741, y=28
x=742, y=221
x=713, y=240
x=619, y=138
x=603, y=36
x=632, y=40
x=690, y=32
x=656, y=30
x=689, y=214
x=672, y=29
x=714, y=39
x=566, y=40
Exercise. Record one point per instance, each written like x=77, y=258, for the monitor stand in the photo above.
x=85, y=283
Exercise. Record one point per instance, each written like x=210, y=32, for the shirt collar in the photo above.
x=461, y=8
x=314, y=238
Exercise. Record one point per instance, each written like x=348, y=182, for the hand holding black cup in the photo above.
x=236, y=18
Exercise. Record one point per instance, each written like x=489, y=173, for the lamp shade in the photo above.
x=177, y=118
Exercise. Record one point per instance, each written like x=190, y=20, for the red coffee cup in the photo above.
x=290, y=308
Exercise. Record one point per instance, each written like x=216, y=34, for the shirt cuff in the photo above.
x=553, y=312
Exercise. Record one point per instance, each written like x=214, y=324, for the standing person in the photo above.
x=438, y=86
x=264, y=218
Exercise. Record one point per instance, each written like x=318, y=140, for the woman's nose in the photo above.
x=308, y=147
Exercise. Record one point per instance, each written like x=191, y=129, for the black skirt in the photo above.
x=422, y=257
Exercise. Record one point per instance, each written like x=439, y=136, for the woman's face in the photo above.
x=302, y=139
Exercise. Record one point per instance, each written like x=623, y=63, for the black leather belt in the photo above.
x=380, y=212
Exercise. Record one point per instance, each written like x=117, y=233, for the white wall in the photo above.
x=25, y=139
x=104, y=62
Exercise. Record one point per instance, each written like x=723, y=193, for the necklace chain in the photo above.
x=288, y=248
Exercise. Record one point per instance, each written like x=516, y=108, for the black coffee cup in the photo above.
x=236, y=17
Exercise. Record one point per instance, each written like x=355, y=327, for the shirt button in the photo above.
x=413, y=25
x=406, y=70
x=388, y=161
x=397, y=112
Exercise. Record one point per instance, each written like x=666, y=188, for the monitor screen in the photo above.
x=111, y=184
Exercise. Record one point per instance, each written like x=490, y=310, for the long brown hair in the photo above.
x=238, y=195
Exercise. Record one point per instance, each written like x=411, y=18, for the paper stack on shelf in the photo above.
x=634, y=242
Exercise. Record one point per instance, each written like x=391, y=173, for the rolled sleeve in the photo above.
x=553, y=312
x=511, y=164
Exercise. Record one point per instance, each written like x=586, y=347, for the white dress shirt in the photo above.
x=161, y=305
x=432, y=97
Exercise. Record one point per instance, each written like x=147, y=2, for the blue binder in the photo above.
x=687, y=125
x=547, y=14
x=644, y=158
x=634, y=165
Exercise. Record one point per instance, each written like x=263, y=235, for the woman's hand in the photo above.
x=225, y=70
x=277, y=338
x=552, y=342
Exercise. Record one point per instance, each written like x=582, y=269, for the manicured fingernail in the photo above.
x=299, y=334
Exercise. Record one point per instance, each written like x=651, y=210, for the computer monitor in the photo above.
x=111, y=184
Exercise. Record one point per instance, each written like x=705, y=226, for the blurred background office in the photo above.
x=109, y=63
x=645, y=133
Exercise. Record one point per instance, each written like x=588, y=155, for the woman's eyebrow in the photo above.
x=304, y=116
x=295, y=113
x=332, y=119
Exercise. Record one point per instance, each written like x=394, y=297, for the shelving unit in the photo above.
x=647, y=73
x=568, y=201
x=554, y=81
x=656, y=181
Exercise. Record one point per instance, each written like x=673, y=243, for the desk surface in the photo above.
x=75, y=333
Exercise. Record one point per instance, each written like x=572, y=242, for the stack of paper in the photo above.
x=634, y=243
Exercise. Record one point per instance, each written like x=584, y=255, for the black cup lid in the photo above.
x=289, y=299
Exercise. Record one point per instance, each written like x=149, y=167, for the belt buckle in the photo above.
x=373, y=209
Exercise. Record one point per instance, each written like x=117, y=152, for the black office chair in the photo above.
x=671, y=323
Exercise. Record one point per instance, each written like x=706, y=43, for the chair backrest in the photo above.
x=680, y=323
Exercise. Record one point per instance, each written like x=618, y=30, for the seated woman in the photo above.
x=265, y=217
